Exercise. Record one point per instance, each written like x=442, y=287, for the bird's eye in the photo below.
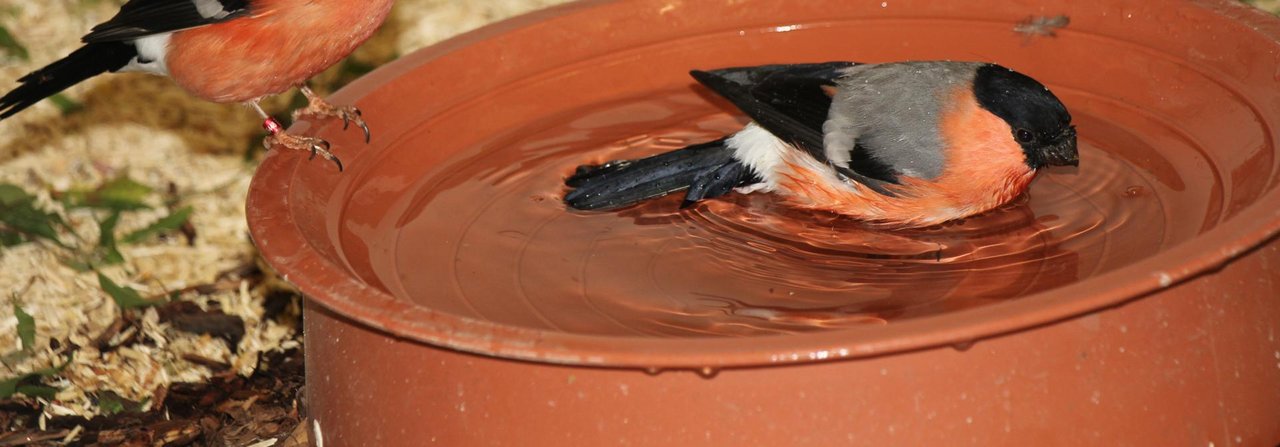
x=1024, y=136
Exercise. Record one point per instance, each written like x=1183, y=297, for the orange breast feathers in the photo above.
x=284, y=43
x=984, y=168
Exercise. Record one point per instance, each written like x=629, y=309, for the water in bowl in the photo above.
x=485, y=234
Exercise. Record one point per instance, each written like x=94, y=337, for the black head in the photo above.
x=1040, y=123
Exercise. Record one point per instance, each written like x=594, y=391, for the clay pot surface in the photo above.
x=440, y=267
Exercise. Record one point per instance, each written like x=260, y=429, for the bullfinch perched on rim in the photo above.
x=227, y=51
x=904, y=144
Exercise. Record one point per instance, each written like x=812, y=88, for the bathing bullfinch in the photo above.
x=906, y=144
x=223, y=51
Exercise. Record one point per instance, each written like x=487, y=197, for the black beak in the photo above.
x=1062, y=152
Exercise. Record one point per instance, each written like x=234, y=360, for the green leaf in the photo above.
x=118, y=194
x=125, y=297
x=18, y=214
x=26, y=385
x=65, y=104
x=108, y=252
x=171, y=222
x=11, y=194
x=78, y=265
x=9, y=238
x=28, y=220
x=9, y=387
x=26, y=327
x=11, y=45
x=42, y=391
x=110, y=403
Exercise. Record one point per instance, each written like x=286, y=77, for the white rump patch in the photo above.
x=761, y=151
x=211, y=9
x=152, y=51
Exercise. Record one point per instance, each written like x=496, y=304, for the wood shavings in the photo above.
x=147, y=128
x=70, y=306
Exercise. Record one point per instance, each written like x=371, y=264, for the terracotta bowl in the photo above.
x=1177, y=345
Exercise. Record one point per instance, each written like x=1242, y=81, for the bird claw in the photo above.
x=349, y=114
x=363, y=126
x=352, y=114
x=317, y=146
x=313, y=145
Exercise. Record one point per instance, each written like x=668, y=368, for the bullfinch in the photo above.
x=228, y=51
x=904, y=144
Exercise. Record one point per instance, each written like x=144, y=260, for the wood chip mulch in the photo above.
x=264, y=409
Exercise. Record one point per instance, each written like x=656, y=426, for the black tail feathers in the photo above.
x=707, y=170
x=90, y=60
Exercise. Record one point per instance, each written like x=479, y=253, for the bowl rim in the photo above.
x=275, y=232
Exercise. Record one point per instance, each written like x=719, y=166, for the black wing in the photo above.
x=90, y=60
x=140, y=18
x=790, y=101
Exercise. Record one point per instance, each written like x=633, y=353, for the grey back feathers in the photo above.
x=893, y=112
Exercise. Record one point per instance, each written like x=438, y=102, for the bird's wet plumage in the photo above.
x=902, y=144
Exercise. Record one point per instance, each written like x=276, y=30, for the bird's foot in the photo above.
x=316, y=146
x=321, y=109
